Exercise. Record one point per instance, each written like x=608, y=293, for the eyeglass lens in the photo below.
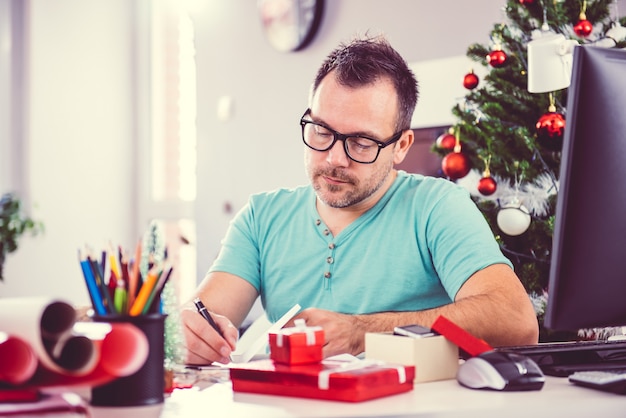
x=321, y=139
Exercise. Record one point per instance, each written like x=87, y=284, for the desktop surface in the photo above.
x=444, y=398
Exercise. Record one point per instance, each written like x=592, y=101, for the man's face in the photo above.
x=371, y=111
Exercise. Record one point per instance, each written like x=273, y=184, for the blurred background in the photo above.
x=119, y=115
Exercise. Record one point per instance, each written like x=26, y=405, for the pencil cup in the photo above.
x=146, y=386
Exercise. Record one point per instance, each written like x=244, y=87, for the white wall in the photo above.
x=79, y=147
x=80, y=127
x=260, y=147
x=80, y=130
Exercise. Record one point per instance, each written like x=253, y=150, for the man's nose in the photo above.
x=337, y=155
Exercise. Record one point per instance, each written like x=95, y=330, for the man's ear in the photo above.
x=402, y=146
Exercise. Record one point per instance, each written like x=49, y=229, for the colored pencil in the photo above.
x=155, y=295
x=92, y=287
x=133, y=282
x=144, y=292
x=105, y=296
x=120, y=298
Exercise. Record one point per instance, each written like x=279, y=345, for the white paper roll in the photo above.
x=47, y=325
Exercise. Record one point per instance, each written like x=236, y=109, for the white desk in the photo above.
x=558, y=398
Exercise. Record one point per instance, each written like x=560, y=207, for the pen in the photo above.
x=206, y=315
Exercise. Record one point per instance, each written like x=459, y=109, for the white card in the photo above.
x=255, y=340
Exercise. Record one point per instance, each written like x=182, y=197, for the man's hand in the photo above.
x=342, y=333
x=203, y=344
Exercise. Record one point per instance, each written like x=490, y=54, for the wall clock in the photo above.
x=290, y=25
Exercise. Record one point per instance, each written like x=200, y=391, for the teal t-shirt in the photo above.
x=412, y=251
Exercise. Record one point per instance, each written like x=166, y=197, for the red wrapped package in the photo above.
x=352, y=381
x=297, y=345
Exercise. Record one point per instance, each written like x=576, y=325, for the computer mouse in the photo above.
x=498, y=370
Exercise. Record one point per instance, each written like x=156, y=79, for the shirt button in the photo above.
x=326, y=232
x=329, y=260
x=318, y=222
x=331, y=245
x=327, y=275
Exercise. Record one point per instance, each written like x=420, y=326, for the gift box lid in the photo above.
x=299, y=335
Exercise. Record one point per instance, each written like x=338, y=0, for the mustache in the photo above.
x=337, y=174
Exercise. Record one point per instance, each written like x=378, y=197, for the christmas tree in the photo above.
x=505, y=147
x=155, y=252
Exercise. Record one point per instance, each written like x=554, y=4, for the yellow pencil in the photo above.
x=114, y=262
x=144, y=292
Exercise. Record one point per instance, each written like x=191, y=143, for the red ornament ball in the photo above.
x=583, y=28
x=446, y=141
x=497, y=58
x=526, y=2
x=455, y=165
x=550, y=128
x=487, y=186
x=470, y=81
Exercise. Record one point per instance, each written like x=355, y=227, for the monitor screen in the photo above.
x=587, y=285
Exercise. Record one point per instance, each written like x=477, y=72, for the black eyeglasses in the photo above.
x=360, y=149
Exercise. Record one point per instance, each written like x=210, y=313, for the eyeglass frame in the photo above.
x=342, y=137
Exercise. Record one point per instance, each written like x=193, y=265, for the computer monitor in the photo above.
x=587, y=284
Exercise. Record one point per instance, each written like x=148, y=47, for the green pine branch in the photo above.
x=497, y=122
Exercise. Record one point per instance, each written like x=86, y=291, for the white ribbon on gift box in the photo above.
x=323, y=380
x=299, y=328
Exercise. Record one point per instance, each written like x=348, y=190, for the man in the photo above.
x=364, y=247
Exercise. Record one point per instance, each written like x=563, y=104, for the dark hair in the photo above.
x=366, y=60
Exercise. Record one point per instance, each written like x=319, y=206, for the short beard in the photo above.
x=352, y=197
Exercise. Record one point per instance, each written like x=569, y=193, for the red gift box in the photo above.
x=297, y=345
x=352, y=381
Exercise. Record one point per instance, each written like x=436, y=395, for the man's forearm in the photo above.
x=498, y=325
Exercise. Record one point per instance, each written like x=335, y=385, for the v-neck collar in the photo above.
x=363, y=218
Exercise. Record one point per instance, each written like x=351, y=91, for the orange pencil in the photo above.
x=144, y=292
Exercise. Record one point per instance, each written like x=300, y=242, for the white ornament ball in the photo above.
x=513, y=219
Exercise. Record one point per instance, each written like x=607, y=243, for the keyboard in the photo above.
x=564, y=358
x=607, y=380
